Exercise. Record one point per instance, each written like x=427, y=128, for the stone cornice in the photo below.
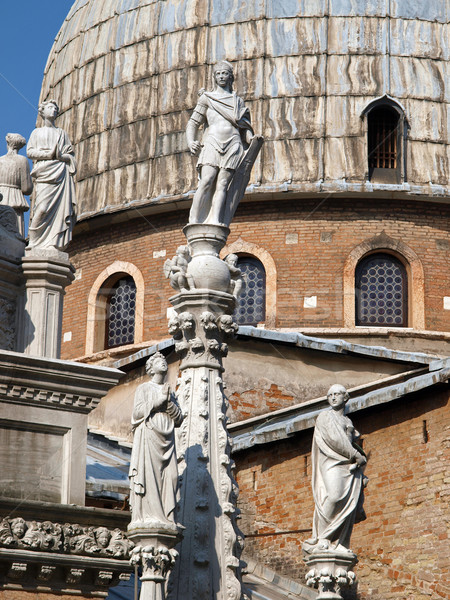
x=57, y=384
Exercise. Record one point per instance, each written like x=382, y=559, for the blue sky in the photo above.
x=28, y=29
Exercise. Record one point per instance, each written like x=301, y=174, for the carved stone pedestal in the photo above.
x=47, y=272
x=330, y=572
x=154, y=552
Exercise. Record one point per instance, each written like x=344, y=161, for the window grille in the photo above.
x=383, y=138
x=381, y=292
x=251, y=308
x=121, y=313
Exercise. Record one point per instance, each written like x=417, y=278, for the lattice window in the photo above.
x=251, y=308
x=381, y=292
x=121, y=313
x=383, y=138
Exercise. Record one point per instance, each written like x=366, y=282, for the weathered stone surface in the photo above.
x=127, y=64
x=44, y=405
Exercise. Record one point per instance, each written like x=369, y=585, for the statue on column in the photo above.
x=153, y=466
x=221, y=153
x=15, y=179
x=54, y=206
x=338, y=477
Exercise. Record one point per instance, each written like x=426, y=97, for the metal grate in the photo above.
x=121, y=311
x=381, y=292
x=383, y=139
x=251, y=303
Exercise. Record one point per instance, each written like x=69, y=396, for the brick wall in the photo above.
x=403, y=546
x=310, y=267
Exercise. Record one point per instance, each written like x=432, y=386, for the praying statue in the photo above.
x=338, y=477
x=227, y=134
x=15, y=179
x=54, y=207
x=153, y=466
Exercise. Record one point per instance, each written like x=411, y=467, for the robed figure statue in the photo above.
x=15, y=179
x=227, y=133
x=153, y=466
x=54, y=208
x=337, y=477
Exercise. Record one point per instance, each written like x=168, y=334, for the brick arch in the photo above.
x=414, y=269
x=240, y=246
x=96, y=313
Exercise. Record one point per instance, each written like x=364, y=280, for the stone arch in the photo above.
x=414, y=269
x=240, y=246
x=96, y=314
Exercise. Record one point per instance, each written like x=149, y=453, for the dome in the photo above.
x=126, y=75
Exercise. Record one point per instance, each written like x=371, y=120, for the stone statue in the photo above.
x=227, y=133
x=337, y=477
x=153, y=466
x=175, y=269
x=236, y=281
x=54, y=206
x=15, y=178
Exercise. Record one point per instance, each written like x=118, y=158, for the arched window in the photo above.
x=383, y=138
x=121, y=310
x=115, y=308
x=251, y=306
x=381, y=287
x=386, y=136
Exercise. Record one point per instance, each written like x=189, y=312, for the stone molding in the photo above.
x=416, y=287
x=240, y=246
x=96, y=304
x=61, y=385
x=61, y=573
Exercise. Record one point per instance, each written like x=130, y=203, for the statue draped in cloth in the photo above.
x=153, y=466
x=54, y=208
x=228, y=129
x=337, y=477
x=15, y=180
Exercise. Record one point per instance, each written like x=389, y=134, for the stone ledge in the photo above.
x=54, y=383
x=64, y=574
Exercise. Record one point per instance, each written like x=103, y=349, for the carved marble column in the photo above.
x=47, y=272
x=208, y=565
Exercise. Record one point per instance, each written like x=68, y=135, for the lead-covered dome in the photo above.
x=126, y=75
